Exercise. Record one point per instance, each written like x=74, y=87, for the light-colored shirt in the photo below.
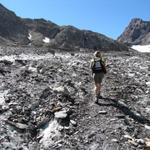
x=96, y=59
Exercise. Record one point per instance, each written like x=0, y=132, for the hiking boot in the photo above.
x=100, y=97
x=96, y=102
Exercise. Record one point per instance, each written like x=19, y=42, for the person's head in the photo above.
x=97, y=54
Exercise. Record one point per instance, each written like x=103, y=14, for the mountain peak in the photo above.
x=2, y=7
x=137, y=32
x=136, y=20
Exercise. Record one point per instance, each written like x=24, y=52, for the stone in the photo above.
x=59, y=89
x=6, y=62
x=18, y=125
x=73, y=122
x=147, y=142
x=94, y=146
x=102, y=112
x=148, y=84
x=140, y=141
x=46, y=92
x=55, y=109
x=127, y=136
x=114, y=140
x=107, y=145
x=60, y=114
x=147, y=127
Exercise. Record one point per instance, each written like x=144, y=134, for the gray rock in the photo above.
x=61, y=114
x=110, y=146
x=102, y=112
x=73, y=122
x=18, y=125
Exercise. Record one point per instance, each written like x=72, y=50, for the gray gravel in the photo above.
x=47, y=101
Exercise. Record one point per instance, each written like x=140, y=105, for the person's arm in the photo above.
x=103, y=66
x=103, y=59
x=91, y=65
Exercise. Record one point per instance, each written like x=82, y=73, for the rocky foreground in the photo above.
x=47, y=101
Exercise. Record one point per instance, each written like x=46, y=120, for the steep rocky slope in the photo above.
x=47, y=101
x=39, y=32
x=137, y=32
x=11, y=27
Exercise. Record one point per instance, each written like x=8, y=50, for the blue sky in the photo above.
x=109, y=17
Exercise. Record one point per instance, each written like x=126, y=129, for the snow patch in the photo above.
x=22, y=56
x=9, y=58
x=46, y=40
x=32, y=69
x=50, y=133
x=142, y=48
x=59, y=89
x=131, y=75
x=29, y=36
x=148, y=84
x=2, y=96
x=61, y=114
x=147, y=127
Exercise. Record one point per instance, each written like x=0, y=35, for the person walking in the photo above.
x=98, y=71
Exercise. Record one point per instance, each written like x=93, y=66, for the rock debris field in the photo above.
x=47, y=101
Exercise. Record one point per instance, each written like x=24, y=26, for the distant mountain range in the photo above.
x=39, y=32
x=136, y=33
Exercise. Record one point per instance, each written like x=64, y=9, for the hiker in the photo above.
x=98, y=70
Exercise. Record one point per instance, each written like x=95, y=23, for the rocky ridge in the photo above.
x=12, y=29
x=39, y=32
x=136, y=33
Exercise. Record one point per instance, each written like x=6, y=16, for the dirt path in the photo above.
x=106, y=125
x=98, y=125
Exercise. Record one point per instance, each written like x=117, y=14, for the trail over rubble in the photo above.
x=47, y=101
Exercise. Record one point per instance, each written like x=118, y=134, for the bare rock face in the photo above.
x=70, y=37
x=137, y=32
x=40, y=32
x=47, y=28
x=11, y=27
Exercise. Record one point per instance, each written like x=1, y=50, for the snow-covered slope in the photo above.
x=46, y=40
x=142, y=48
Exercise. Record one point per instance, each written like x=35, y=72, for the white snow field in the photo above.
x=46, y=40
x=142, y=48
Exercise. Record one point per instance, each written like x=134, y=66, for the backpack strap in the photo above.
x=102, y=65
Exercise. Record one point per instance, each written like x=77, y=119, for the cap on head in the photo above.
x=97, y=54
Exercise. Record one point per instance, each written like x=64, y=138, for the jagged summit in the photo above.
x=137, y=32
